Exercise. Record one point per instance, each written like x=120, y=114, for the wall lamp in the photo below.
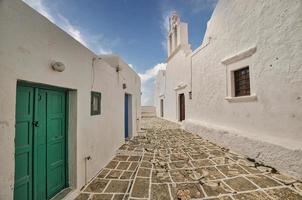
x=58, y=66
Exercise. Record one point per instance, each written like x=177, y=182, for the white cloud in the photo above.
x=147, y=79
x=102, y=44
x=164, y=27
x=40, y=7
x=102, y=50
x=165, y=22
x=73, y=31
x=151, y=73
x=95, y=42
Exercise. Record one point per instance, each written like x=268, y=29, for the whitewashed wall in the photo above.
x=28, y=44
x=177, y=82
x=176, y=78
x=267, y=126
x=275, y=68
x=160, y=88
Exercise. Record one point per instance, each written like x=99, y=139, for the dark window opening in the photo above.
x=95, y=103
x=242, y=82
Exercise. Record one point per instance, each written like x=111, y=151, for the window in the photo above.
x=242, y=82
x=95, y=103
x=239, y=77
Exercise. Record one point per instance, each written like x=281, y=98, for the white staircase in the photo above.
x=148, y=111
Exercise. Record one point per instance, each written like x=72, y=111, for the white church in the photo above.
x=242, y=87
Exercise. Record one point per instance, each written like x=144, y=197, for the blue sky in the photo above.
x=134, y=29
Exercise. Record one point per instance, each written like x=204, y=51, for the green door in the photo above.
x=46, y=162
x=40, y=145
x=55, y=142
x=24, y=143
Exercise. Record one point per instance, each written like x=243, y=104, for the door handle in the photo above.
x=36, y=123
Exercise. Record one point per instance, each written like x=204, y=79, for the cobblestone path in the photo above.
x=169, y=163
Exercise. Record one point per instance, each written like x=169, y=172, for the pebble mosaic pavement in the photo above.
x=169, y=163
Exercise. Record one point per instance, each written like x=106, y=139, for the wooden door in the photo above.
x=126, y=115
x=56, y=161
x=40, y=143
x=181, y=107
x=162, y=108
x=24, y=144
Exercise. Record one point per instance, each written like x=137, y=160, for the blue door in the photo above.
x=126, y=115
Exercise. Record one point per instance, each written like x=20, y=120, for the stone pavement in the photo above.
x=169, y=163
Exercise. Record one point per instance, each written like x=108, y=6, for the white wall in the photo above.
x=269, y=126
x=177, y=82
x=160, y=88
x=176, y=78
x=275, y=69
x=28, y=44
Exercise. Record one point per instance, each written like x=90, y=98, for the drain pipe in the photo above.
x=86, y=159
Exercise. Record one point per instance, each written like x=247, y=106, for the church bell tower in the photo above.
x=177, y=35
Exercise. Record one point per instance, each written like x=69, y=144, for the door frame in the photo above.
x=36, y=87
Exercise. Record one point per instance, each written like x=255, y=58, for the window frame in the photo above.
x=237, y=62
x=98, y=96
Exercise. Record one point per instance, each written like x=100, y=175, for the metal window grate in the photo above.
x=242, y=82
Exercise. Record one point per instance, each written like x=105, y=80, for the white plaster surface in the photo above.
x=160, y=89
x=175, y=76
x=29, y=43
x=275, y=69
x=271, y=118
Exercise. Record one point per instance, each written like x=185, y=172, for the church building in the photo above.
x=242, y=87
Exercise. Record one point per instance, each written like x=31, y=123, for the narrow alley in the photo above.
x=151, y=100
x=170, y=163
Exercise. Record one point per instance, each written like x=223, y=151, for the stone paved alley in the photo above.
x=169, y=163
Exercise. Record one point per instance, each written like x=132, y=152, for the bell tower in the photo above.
x=177, y=35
